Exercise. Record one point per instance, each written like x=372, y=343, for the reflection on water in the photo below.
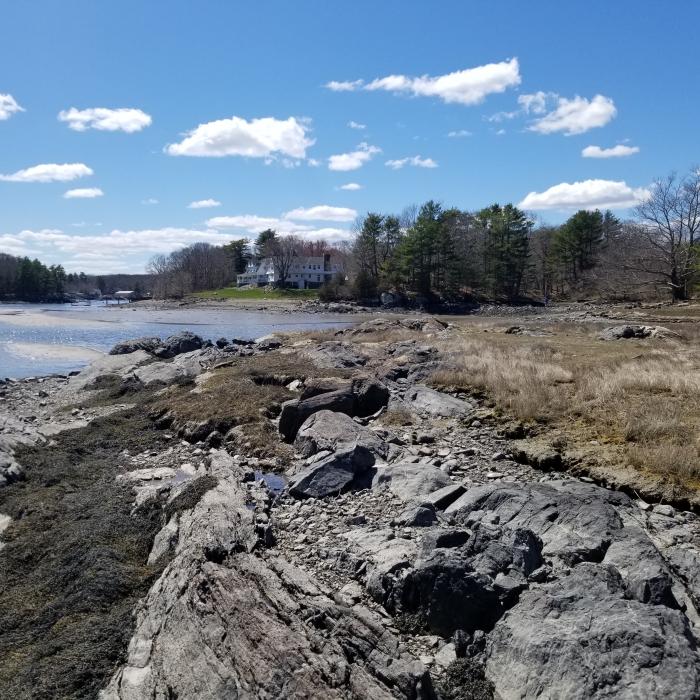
x=99, y=327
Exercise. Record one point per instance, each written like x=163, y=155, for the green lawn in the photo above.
x=257, y=294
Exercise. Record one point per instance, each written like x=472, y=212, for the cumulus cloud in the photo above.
x=587, y=194
x=8, y=107
x=576, y=115
x=344, y=85
x=322, y=212
x=356, y=125
x=204, y=204
x=103, y=119
x=351, y=187
x=415, y=161
x=150, y=201
x=468, y=87
x=49, y=172
x=84, y=193
x=107, y=252
x=536, y=102
x=353, y=160
x=459, y=134
x=258, y=138
x=619, y=151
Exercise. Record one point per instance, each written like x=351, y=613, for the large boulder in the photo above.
x=436, y=404
x=461, y=580
x=576, y=522
x=147, y=343
x=329, y=476
x=296, y=411
x=410, y=481
x=580, y=637
x=362, y=397
x=333, y=354
x=184, y=341
x=628, y=332
x=337, y=432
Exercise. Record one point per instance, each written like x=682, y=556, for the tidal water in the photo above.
x=38, y=339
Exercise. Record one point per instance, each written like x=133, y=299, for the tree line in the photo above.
x=500, y=253
x=26, y=279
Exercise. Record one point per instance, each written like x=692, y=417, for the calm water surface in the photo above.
x=38, y=339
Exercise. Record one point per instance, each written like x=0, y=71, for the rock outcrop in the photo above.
x=224, y=621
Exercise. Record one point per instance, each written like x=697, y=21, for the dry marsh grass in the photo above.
x=638, y=401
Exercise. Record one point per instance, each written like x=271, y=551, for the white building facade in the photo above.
x=305, y=272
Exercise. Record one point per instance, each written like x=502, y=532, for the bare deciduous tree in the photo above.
x=282, y=251
x=669, y=225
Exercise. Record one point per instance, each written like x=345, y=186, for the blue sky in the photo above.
x=247, y=104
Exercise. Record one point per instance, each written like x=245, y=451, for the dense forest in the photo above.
x=24, y=279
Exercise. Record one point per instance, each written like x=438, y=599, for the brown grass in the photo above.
x=245, y=394
x=634, y=401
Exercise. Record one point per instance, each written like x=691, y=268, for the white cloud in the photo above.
x=356, y=125
x=587, y=194
x=415, y=161
x=343, y=85
x=8, y=107
x=314, y=163
x=84, y=193
x=459, y=134
x=351, y=187
x=467, y=87
x=536, y=102
x=118, y=250
x=257, y=138
x=619, y=151
x=104, y=119
x=150, y=201
x=576, y=115
x=322, y=212
x=353, y=160
x=204, y=204
x=49, y=172
x=247, y=222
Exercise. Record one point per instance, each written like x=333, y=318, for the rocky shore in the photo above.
x=312, y=519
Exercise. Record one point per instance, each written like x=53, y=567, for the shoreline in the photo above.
x=177, y=454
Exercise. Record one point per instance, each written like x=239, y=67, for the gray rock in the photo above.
x=295, y=412
x=685, y=560
x=327, y=477
x=329, y=430
x=410, y=481
x=445, y=496
x=361, y=398
x=268, y=342
x=627, y=332
x=581, y=638
x=643, y=570
x=184, y=341
x=333, y=354
x=455, y=587
x=221, y=622
x=434, y=403
x=147, y=343
x=418, y=515
x=576, y=521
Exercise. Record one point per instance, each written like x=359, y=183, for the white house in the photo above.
x=305, y=272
